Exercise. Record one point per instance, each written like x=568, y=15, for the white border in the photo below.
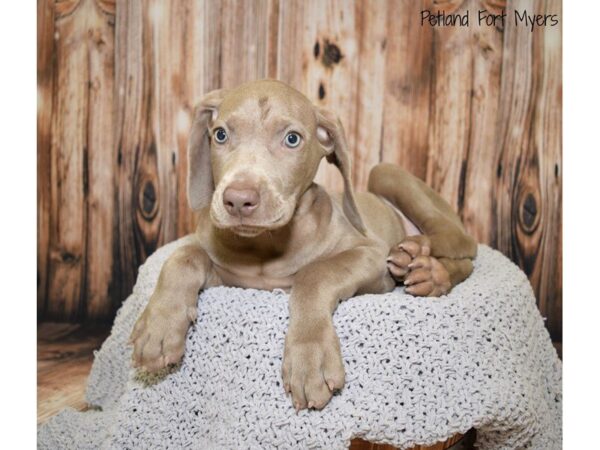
x=581, y=223
x=18, y=225
x=581, y=163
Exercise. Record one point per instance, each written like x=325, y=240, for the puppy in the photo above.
x=264, y=223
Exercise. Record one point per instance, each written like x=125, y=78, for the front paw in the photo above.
x=158, y=336
x=312, y=368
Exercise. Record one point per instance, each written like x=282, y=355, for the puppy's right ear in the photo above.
x=200, y=185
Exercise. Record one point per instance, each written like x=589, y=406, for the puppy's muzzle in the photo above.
x=241, y=201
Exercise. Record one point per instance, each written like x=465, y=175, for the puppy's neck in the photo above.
x=307, y=201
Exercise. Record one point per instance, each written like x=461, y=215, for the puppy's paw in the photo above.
x=158, y=336
x=427, y=277
x=404, y=254
x=313, y=369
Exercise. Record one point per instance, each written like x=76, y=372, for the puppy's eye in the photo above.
x=292, y=139
x=220, y=135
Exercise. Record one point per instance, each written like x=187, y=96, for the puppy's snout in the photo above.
x=240, y=202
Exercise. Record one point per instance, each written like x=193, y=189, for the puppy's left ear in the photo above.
x=331, y=136
x=200, y=184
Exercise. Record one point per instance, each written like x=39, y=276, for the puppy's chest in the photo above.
x=260, y=265
x=256, y=274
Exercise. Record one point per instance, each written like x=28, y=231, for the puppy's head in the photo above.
x=254, y=150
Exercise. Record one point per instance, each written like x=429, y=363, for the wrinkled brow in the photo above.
x=284, y=123
x=280, y=123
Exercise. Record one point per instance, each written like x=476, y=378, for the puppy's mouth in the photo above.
x=237, y=226
x=247, y=231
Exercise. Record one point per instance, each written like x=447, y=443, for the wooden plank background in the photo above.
x=476, y=112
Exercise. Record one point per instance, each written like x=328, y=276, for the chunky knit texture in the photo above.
x=418, y=370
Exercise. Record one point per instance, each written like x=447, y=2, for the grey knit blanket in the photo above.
x=418, y=370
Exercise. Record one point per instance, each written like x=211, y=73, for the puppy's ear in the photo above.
x=200, y=185
x=331, y=136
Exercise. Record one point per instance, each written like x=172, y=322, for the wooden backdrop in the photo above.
x=476, y=112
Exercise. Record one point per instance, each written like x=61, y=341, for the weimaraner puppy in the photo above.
x=253, y=153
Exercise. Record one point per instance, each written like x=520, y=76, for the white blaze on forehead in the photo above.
x=248, y=109
x=256, y=109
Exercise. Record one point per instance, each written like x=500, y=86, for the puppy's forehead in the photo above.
x=267, y=100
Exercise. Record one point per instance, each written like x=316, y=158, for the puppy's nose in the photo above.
x=240, y=201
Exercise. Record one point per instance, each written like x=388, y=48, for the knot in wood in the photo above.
x=331, y=54
x=148, y=203
x=529, y=213
x=317, y=49
x=321, y=91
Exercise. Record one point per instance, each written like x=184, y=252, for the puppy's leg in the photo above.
x=312, y=362
x=159, y=334
x=432, y=263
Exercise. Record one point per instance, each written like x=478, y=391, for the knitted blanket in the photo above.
x=418, y=370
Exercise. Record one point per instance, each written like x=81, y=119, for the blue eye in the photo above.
x=220, y=135
x=292, y=140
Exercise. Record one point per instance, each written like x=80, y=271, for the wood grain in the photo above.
x=99, y=162
x=132, y=107
x=547, y=276
x=245, y=22
x=480, y=171
x=45, y=84
x=450, y=107
x=64, y=359
x=538, y=224
x=370, y=93
x=528, y=186
x=408, y=75
x=69, y=151
x=476, y=112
